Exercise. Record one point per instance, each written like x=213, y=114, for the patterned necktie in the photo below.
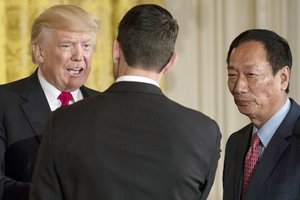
x=65, y=98
x=250, y=162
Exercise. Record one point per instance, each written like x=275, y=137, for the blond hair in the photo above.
x=63, y=17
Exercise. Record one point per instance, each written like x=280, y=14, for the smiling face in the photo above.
x=65, y=58
x=257, y=92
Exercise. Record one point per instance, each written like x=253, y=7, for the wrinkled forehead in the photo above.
x=67, y=35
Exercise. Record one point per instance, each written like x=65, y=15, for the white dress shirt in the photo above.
x=137, y=79
x=52, y=93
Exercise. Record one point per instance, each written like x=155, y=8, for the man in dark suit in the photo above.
x=62, y=43
x=261, y=159
x=131, y=142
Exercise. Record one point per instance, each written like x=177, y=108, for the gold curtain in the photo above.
x=16, y=17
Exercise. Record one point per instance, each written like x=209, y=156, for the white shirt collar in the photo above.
x=52, y=93
x=137, y=79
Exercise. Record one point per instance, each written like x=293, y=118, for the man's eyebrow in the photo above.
x=230, y=67
x=255, y=66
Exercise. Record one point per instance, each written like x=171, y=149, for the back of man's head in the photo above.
x=147, y=35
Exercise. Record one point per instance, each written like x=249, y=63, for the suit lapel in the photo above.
x=273, y=152
x=36, y=107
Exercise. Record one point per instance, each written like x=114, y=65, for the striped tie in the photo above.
x=250, y=162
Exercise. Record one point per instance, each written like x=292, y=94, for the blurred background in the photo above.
x=198, y=79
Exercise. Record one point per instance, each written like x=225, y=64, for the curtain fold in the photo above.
x=2, y=43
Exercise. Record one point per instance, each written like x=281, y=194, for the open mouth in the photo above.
x=75, y=71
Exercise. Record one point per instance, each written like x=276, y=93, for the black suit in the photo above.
x=277, y=175
x=24, y=111
x=128, y=143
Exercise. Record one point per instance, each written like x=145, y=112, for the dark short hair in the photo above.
x=147, y=35
x=277, y=48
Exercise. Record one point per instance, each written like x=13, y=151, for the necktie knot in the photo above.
x=255, y=140
x=65, y=98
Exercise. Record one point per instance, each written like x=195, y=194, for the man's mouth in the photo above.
x=241, y=102
x=75, y=71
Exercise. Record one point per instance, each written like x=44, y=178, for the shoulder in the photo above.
x=11, y=93
x=192, y=121
x=15, y=86
x=238, y=136
x=241, y=132
x=30, y=82
x=188, y=114
x=86, y=92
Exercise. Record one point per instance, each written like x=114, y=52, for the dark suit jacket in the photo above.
x=24, y=111
x=277, y=175
x=129, y=143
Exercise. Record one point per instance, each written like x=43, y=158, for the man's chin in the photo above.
x=74, y=85
x=245, y=110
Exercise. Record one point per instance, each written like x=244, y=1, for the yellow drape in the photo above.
x=16, y=17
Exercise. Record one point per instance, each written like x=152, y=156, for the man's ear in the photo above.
x=38, y=53
x=285, y=73
x=116, y=51
x=170, y=64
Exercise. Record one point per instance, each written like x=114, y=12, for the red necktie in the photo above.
x=65, y=98
x=250, y=162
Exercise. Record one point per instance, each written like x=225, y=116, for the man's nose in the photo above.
x=241, y=85
x=77, y=54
